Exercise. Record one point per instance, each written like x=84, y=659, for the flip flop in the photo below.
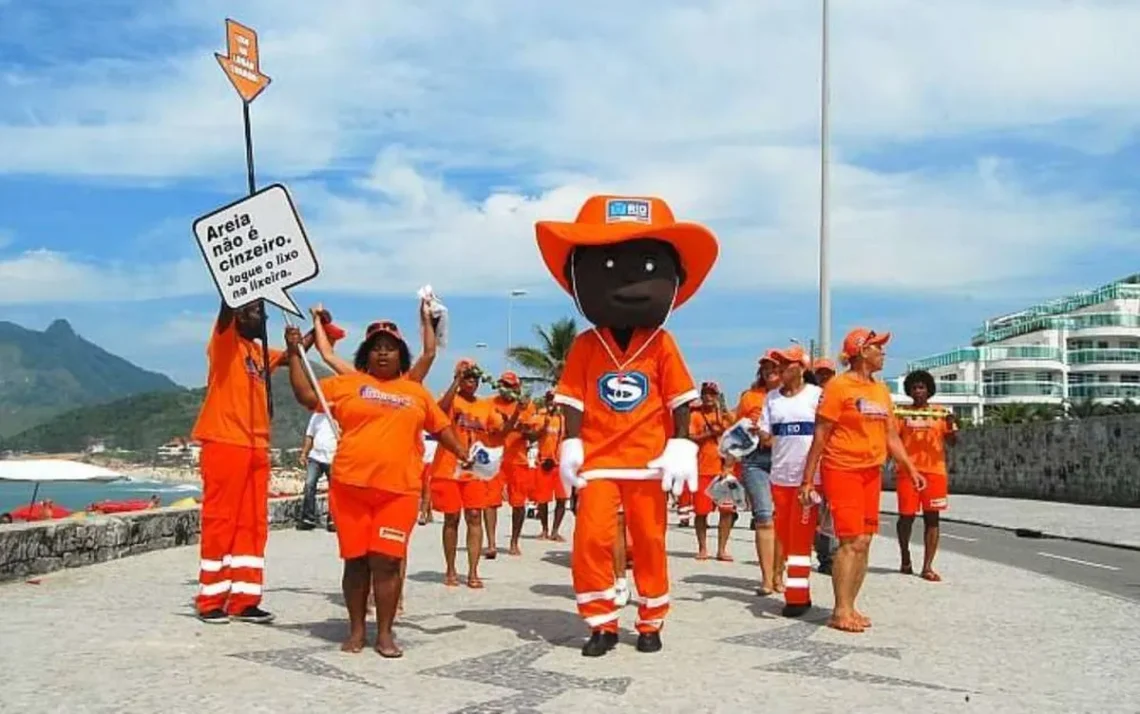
x=931, y=576
x=451, y=581
x=491, y=553
x=725, y=558
x=763, y=591
x=475, y=583
x=702, y=556
x=390, y=655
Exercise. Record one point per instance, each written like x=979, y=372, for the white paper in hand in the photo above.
x=725, y=490
x=438, y=315
x=485, y=461
x=738, y=441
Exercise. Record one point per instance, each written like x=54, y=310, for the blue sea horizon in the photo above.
x=78, y=496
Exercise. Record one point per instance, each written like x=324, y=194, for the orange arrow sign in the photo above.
x=241, y=64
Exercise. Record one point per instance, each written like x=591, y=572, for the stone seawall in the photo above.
x=1093, y=461
x=36, y=548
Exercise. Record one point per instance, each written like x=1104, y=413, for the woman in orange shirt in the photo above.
x=707, y=422
x=854, y=433
x=377, y=472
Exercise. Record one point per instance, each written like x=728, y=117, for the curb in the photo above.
x=1033, y=533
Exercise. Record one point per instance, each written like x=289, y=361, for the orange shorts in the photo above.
x=369, y=520
x=495, y=488
x=548, y=486
x=931, y=499
x=520, y=480
x=449, y=496
x=853, y=499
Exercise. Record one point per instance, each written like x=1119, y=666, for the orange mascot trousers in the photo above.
x=235, y=527
x=592, y=558
x=795, y=529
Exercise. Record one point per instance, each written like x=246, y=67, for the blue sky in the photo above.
x=985, y=156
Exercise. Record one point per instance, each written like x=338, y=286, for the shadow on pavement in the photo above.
x=552, y=590
x=561, y=628
x=743, y=591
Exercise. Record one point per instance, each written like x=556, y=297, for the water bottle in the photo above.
x=805, y=513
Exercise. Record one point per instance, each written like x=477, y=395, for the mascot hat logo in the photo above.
x=623, y=392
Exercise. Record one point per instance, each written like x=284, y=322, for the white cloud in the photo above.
x=713, y=106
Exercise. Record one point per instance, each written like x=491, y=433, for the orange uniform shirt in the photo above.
x=751, y=404
x=862, y=413
x=235, y=410
x=627, y=414
x=475, y=420
x=513, y=443
x=923, y=437
x=382, y=423
x=701, y=424
x=549, y=435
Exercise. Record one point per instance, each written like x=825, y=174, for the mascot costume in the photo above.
x=625, y=393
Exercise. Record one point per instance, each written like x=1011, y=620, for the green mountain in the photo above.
x=43, y=374
x=146, y=421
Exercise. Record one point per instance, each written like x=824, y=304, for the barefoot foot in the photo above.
x=354, y=643
x=514, y=550
x=931, y=576
x=474, y=582
x=906, y=569
x=845, y=624
x=451, y=580
x=862, y=619
x=386, y=648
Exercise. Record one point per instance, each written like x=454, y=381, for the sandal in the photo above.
x=451, y=581
x=931, y=576
x=474, y=583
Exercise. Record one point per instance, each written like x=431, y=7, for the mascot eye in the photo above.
x=650, y=265
x=610, y=263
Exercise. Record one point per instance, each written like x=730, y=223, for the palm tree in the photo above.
x=1084, y=409
x=544, y=362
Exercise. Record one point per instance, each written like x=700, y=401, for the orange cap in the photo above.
x=510, y=379
x=768, y=356
x=795, y=353
x=606, y=220
x=859, y=338
x=823, y=363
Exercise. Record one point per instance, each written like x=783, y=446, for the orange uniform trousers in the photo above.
x=592, y=558
x=795, y=529
x=235, y=526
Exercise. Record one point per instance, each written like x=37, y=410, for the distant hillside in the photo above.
x=43, y=374
x=146, y=421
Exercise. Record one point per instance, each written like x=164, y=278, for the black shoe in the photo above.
x=254, y=615
x=331, y=527
x=825, y=568
x=795, y=610
x=306, y=525
x=599, y=643
x=214, y=617
x=649, y=642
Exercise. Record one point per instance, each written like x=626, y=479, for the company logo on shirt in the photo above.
x=626, y=210
x=252, y=369
x=794, y=428
x=373, y=394
x=623, y=392
x=465, y=421
x=871, y=409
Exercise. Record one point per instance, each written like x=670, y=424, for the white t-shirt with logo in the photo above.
x=324, y=438
x=791, y=422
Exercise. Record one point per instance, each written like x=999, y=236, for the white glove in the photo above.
x=571, y=456
x=678, y=466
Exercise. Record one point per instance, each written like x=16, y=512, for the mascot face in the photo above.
x=626, y=285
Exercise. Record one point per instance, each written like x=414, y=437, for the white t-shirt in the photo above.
x=324, y=438
x=791, y=422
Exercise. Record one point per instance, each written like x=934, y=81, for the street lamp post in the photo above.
x=516, y=293
x=824, y=237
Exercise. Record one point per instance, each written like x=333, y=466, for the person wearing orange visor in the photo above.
x=707, y=423
x=516, y=475
x=854, y=434
x=754, y=473
x=625, y=392
x=233, y=428
x=377, y=476
x=823, y=370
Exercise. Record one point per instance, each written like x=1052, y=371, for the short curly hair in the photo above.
x=919, y=376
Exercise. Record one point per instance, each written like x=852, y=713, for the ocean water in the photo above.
x=78, y=496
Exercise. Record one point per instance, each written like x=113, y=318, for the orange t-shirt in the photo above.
x=862, y=413
x=627, y=414
x=382, y=423
x=549, y=435
x=513, y=443
x=923, y=437
x=475, y=420
x=751, y=404
x=235, y=409
x=701, y=424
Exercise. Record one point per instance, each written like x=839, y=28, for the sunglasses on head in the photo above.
x=386, y=325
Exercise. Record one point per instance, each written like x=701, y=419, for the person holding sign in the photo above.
x=455, y=489
x=925, y=431
x=854, y=434
x=233, y=428
x=377, y=470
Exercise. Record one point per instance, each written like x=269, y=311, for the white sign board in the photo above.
x=256, y=249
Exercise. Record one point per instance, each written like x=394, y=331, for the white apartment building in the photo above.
x=1071, y=349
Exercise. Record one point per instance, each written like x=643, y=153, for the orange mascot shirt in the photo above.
x=235, y=410
x=627, y=414
x=382, y=423
x=475, y=420
x=862, y=413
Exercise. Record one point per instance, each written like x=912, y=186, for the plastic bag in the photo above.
x=726, y=490
x=532, y=456
x=826, y=525
x=738, y=440
x=438, y=315
x=485, y=461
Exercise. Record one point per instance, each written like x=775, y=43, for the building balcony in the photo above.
x=1104, y=356
x=1022, y=353
x=960, y=389
x=1100, y=320
x=1113, y=391
x=1001, y=390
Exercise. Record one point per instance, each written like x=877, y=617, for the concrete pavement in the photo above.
x=119, y=637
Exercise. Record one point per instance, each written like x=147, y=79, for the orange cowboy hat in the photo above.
x=606, y=220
